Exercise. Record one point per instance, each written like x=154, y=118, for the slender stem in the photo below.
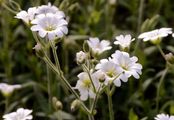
x=110, y=105
x=6, y=103
x=95, y=100
x=112, y=90
x=60, y=75
x=49, y=82
x=55, y=55
x=90, y=77
x=9, y=9
x=159, y=87
x=90, y=117
x=161, y=51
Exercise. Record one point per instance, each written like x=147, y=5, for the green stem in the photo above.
x=110, y=105
x=61, y=76
x=161, y=51
x=55, y=55
x=49, y=83
x=159, y=87
x=95, y=100
x=6, y=103
x=9, y=9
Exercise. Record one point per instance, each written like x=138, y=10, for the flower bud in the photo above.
x=101, y=77
x=57, y=104
x=38, y=49
x=81, y=57
x=170, y=58
x=75, y=104
x=112, y=2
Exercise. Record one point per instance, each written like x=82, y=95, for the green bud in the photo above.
x=170, y=58
x=75, y=104
x=57, y=104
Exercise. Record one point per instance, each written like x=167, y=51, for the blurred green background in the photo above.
x=97, y=18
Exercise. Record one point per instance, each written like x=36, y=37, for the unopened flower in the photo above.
x=155, y=35
x=8, y=89
x=123, y=41
x=111, y=70
x=128, y=65
x=85, y=87
x=27, y=16
x=164, y=117
x=81, y=57
x=98, y=46
x=173, y=35
x=20, y=114
x=170, y=58
x=50, y=25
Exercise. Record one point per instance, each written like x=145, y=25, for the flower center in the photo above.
x=50, y=28
x=87, y=83
x=110, y=73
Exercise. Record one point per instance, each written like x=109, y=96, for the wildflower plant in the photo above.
x=98, y=74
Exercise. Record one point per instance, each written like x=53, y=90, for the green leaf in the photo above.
x=132, y=115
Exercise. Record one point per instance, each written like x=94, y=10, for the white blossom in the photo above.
x=98, y=46
x=155, y=34
x=112, y=71
x=128, y=65
x=123, y=41
x=7, y=89
x=50, y=25
x=164, y=117
x=20, y=114
x=27, y=16
x=80, y=57
x=85, y=87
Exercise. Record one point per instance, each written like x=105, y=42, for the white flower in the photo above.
x=164, y=117
x=97, y=46
x=28, y=15
x=81, y=57
x=128, y=65
x=20, y=114
x=8, y=89
x=111, y=70
x=85, y=87
x=44, y=9
x=155, y=34
x=123, y=41
x=50, y=25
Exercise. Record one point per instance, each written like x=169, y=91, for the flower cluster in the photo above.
x=47, y=20
x=119, y=67
x=20, y=114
